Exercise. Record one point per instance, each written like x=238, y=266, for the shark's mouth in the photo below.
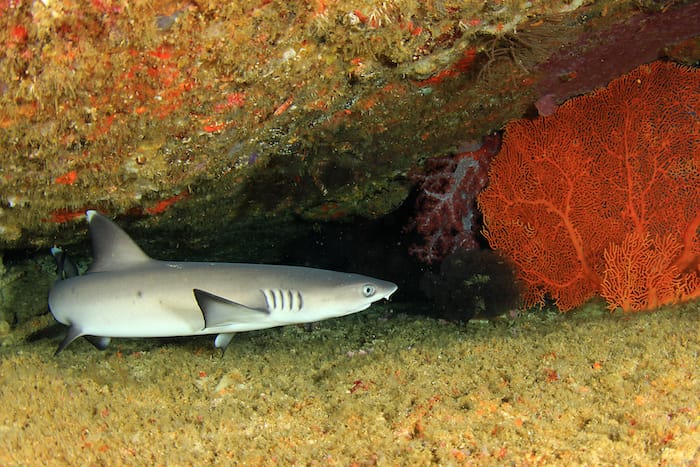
x=390, y=293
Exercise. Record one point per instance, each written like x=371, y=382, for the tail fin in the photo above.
x=65, y=268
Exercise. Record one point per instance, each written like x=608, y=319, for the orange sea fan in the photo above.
x=604, y=195
x=641, y=274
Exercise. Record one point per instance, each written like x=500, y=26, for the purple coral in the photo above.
x=447, y=216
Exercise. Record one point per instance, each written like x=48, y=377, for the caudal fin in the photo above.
x=65, y=268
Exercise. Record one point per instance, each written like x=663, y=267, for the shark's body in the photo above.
x=125, y=293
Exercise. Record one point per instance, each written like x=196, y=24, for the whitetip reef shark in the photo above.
x=125, y=293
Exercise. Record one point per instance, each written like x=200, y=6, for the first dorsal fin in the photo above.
x=112, y=248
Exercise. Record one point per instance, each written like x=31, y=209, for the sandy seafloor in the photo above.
x=380, y=387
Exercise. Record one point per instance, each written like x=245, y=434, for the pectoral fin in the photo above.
x=219, y=311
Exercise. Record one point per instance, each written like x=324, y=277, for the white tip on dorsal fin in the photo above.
x=112, y=248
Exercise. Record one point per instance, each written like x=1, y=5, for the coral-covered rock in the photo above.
x=598, y=56
x=241, y=112
x=566, y=189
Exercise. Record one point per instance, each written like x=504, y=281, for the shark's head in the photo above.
x=299, y=295
x=352, y=294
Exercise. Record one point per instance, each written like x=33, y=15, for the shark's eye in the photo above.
x=368, y=290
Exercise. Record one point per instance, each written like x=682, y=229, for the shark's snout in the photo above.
x=383, y=290
x=389, y=290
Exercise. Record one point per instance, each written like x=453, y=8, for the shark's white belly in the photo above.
x=135, y=310
x=132, y=310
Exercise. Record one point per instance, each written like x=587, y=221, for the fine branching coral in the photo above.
x=604, y=195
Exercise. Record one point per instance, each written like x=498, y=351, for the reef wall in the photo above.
x=193, y=117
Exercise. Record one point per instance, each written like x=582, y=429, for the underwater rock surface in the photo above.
x=212, y=115
x=378, y=387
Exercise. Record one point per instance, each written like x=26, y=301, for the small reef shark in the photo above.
x=125, y=293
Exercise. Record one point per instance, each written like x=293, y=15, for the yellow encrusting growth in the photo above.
x=586, y=388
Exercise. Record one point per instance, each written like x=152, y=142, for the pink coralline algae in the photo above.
x=447, y=216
